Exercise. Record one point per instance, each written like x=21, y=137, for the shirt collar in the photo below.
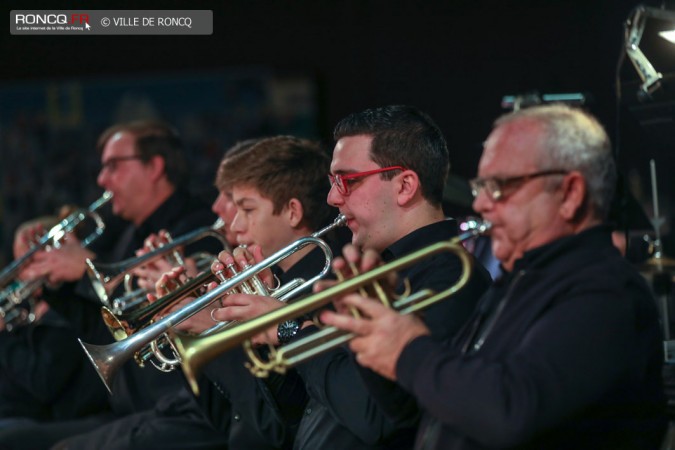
x=421, y=237
x=167, y=212
x=591, y=239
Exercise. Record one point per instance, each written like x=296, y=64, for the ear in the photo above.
x=295, y=212
x=574, y=196
x=408, y=185
x=156, y=167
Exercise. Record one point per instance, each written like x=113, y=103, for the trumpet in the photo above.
x=16, y=300
x=54, y=237
x=197, y=351
x=122, y=322
x=123, y=326
x=106, y=277
x=17, y=304
x=107, y=359
x=137, y=298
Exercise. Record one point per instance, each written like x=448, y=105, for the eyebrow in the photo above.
x=243, y=200
x=348, y=171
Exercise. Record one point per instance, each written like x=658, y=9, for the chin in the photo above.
x=119, y=212
x=356, y=241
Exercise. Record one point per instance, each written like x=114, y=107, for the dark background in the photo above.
x=453, y=59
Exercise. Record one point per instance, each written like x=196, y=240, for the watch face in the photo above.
x=286, y=330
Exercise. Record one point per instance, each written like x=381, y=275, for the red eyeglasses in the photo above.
x=343, y=181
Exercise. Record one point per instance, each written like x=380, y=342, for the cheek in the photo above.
x=364, y=209
x=502, y=245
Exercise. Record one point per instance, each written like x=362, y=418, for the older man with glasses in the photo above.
x=564, y=351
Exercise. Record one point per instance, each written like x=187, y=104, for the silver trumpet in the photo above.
x=107, y=359
x=136, y=298
x=54, y=237
x=17, y=303
x=17, y=299
x=106, y=277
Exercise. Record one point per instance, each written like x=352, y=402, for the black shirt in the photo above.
x=351, y=407
x=260, y=413
x=44, y=375
x=134, y=388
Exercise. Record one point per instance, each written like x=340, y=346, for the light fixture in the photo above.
x=634, y=29
x=668, y=35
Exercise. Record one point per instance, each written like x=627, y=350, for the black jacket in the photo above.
x=345, y=410
x=564, y=352
x=44, y=375
x=135, y=388
x=257, y=413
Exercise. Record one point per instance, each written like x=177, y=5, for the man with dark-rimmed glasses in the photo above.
x=564, y=351
x=143, y=165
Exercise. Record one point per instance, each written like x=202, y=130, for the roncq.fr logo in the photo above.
x=51, y=19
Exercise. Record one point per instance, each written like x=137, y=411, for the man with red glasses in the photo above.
x=564, y=351
x=387, y=176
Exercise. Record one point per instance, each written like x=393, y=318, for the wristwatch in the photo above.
x=287, y=330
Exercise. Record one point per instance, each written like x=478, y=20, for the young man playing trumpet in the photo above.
x=279, y=188
x=387, y=175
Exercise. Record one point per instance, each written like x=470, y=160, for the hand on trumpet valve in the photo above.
x=24, y=240
x=354, y=262
x=169, y=280
x=381, y=333
x=243, y=307
x=229, y=264
x=66, y=263
x=27, y=238
x=155, y=241
x=148, y=273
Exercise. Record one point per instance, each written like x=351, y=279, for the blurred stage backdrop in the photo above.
x=298, y=67
x=48, y=129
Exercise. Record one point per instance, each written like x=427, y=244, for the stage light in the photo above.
x=634, y=30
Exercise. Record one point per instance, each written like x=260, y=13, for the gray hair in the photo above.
x=574, y=140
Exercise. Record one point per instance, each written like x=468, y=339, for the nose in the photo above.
x=102, y=179
x=334, y=197
x=238, y=224
x=217, y=205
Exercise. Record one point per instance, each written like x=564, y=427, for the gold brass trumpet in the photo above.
x=197, y=351
x=106, y=277
x=107, y=359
